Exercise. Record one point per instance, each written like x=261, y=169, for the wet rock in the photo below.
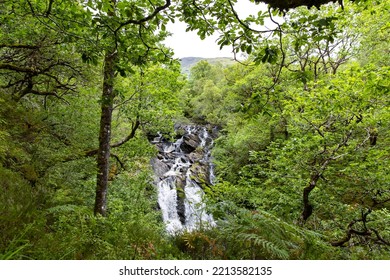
x=190, y=143
x=160, y=156
x=169, y=148
x=200, y=173
x=180, y=132
x=195, y=156
x=159, y=167
x=181, y=209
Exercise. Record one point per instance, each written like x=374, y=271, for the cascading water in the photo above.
x=181, y=168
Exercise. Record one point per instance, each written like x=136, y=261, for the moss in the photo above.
x=29, y=173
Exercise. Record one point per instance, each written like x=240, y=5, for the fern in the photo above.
x=261, y=235
x=259, y=242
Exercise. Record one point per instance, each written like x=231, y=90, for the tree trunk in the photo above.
x=103, y=154
x=307, y=207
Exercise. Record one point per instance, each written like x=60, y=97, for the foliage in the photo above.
x=150, y=96
x=131, y=231
x=307, y=140
x=244, y=234
x=303, y=149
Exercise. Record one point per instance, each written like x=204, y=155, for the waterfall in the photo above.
x=181, y=168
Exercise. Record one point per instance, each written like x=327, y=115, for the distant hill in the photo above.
x=188, y=62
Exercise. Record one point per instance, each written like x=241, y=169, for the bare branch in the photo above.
x=366, y=232
x=94, y=152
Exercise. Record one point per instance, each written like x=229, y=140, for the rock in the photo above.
x=213, y=131
x=200, y=173
x=190, y=143
x=159, y=167
x=169, y=148
x=180, y=183
x=160, y=156
x=160, y=147
x=195, y=156
x=180, y=132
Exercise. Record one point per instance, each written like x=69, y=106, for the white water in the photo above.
x=195, y=215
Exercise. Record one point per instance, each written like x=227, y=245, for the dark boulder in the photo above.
x=190, y=143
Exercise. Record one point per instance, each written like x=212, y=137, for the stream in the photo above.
x=182, y=168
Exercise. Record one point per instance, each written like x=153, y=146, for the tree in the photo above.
x=152, y=93
x=119, y=21
x=36, y=61
x=305, y=146
x=126, y=34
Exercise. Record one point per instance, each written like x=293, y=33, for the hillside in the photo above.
x=188, y=62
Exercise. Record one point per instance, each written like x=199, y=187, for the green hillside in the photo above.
x=188, y=62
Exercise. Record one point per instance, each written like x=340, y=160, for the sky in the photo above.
x=186, y=44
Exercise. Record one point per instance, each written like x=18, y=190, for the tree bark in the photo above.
x=314, y=177
x=307, y=207
x=103, y=154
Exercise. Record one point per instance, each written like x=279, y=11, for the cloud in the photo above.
x=186, y=44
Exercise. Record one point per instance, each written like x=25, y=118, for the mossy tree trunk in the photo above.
x=103, y=155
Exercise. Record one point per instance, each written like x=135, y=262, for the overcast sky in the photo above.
x=187, y=44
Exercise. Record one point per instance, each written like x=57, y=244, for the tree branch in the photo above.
x=117, y=144
x=8, y=66
x=316, y=175
x=48, y=11
x=118, y=160
x=156, y=11
x=246, y=26
x=130, y=136
x=366, y=232
x=284, y=5
x=19, y=46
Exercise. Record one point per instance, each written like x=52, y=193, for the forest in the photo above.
x=300, y=130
